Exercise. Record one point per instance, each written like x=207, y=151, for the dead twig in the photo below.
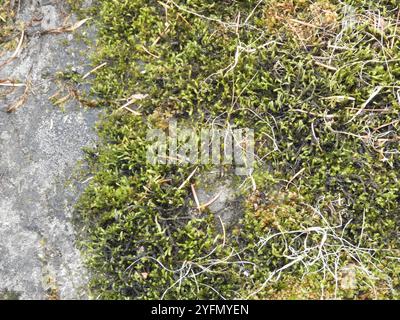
x=63, y=29
x=294, y=177
x=187, y=179
x=10, y=83
x=210, y=202
x=21, y=100
x=196, y=199
x=94, y=70
x=374, y=93
x=132, y=100
x=17, y=50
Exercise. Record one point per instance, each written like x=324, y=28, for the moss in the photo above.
x=8, y=27
x=9, y=295
x=322, y=98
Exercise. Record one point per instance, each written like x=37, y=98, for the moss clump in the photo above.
x=323, y=99
x=8, y=40
x=9, y=295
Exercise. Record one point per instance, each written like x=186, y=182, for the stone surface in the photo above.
x=226, y=203
x=40, y=145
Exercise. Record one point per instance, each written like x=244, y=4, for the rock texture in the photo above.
x=222, y=195
x=40, y=145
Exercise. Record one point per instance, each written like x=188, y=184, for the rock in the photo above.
x=227, y=204
x=39, y=148
x=348, y=277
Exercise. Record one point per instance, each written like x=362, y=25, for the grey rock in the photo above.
x=227, y=206
x=40, y=145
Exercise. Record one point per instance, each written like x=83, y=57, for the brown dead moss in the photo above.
x=278, y=209
x=300, y=19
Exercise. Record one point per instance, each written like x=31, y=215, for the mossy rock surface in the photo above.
x=318, y=81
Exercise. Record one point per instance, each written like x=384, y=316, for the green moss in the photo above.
x=9, y=295
x=319, y=86
x=8, y=27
